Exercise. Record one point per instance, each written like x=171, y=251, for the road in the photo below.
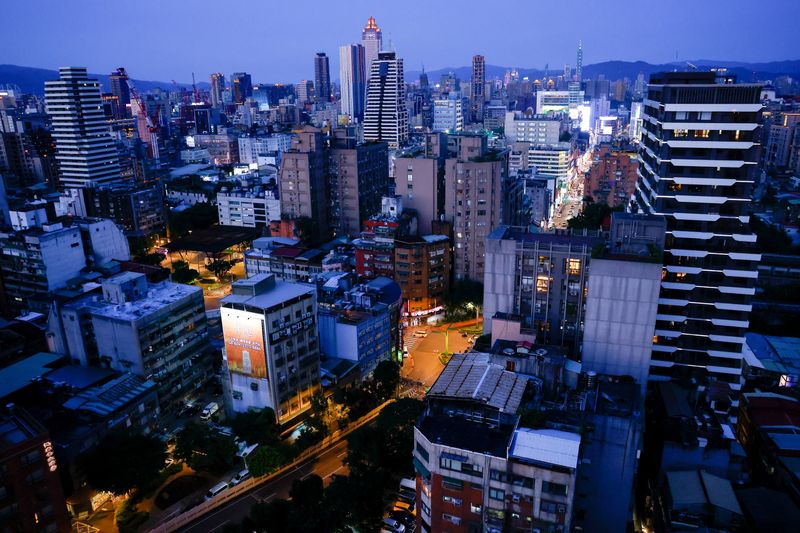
x=330, y=462
x=423, y=363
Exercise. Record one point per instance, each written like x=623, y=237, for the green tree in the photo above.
x=122, y=462
x=153, y=259
x=305, y=515
x=396, y=423
x=593, y=215
x=270, y=517
x=181, y=273
x=267, y=459
x=220, y=268
x=256, y=426
x=385, y=379
x=204, y=450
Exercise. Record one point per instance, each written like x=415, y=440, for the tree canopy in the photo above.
x=122, y=462
x=204, y=450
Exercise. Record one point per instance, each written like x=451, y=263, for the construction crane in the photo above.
x=151, y=123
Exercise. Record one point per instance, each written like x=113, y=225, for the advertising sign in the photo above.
x=244, y=342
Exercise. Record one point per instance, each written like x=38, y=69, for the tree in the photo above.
x=267, y=459
x=219, y=267
x=305, y=229
x=153, y=259
x=181, y=273
x=593, y=215
x=256, y=426
x=122, y=462
x=305, y=515
x=396, y=422
x=271, y=517
x=204, y=450
x=385, y=380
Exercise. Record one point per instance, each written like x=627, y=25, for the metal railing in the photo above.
x=172, y=523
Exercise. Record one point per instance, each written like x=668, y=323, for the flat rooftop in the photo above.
x=472, y=376
x=20, y=374
x=272, y=296
x=116, y=394
x=775, y=354
x=546, y=446
x=158, y=297
x=215, y=239
x=467, y=435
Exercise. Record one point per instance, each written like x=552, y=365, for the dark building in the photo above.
x=141, y=211
x=119, y=88
x=242, y=85
x=478, y=88
x=698, y=161
x=322, y=78
x=31, y=497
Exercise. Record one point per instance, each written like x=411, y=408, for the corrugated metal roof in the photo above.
x=549, y=446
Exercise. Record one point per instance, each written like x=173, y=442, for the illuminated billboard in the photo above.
x=244, y=342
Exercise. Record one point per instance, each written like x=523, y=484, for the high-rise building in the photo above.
x=303, y=180
x=372, y=40
x=535, y=129
x=322, y=78
x=305, y=91
x=422, y=268
x=579, y=64
x=448, y=115
x=85, y=150
x=217, y=88
x=120, y=88
x=271, y=354
x=358, y=179
x=352, y=80
x=473, y=200
x=386, y=117
x=699, y=157
x=612, y=177
x=242, y=85
x=477, y=88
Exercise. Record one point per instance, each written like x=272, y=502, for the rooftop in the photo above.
x=159, y=296
x=116, y=394
x=19, y=375
x=558, y=237
x=547, y=446
x=16, y=427
x=271, y=296
x=465, y=434
x=472, y=376
x=215, y=239
x=693, y=487
x=775, y=354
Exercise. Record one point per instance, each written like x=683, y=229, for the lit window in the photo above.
x=574, y=267
x=702, y=134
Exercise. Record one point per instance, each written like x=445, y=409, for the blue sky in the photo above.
x=276, y=40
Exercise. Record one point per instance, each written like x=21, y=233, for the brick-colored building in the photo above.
x=612, y=178
x=422, y=268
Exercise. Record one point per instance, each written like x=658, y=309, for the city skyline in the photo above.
x=522, y=41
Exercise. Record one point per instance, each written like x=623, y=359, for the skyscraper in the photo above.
x=579, y=64
x=322, y=78
x=217, y=87
x=372, y=40
x=386, y=118
x=305, y=91
x=85, y=150
x=242, y=85
x=699, y=158
x=119, y=88
x=478, y=88
x=352, y=79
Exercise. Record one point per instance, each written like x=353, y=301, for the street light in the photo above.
x=471, y=305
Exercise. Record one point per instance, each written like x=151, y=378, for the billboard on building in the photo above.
x=244, y=342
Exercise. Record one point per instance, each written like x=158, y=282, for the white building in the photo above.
x=386, y=116
x=249, y=209
x=448, y=115
x=271, y=351
x=352, y=79
x=106, y=241
x=536, y=129
x=372, y=41
x=250, y=148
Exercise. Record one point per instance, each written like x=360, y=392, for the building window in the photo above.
x=574, y=267
x=475, y=508
x=452, y=483
x=554, y=488
x=450, y=518
x=497, y=494
x=452, y=501
x=497, y=475
x=423, y=453
x=702, y=134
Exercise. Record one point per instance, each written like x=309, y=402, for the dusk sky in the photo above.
x=276, y=40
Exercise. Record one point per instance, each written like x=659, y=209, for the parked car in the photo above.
x=404, y=517
x=421, y=334
x=216, y=489
x=240, y=476
x=394, y=525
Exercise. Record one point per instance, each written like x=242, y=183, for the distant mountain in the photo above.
x=615, y=70
x=31, y=80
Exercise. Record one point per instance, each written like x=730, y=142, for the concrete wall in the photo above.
x=498, y=279
x=620, y=317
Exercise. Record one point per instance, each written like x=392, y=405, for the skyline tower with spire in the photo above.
x=372, y=41
x=579, y=64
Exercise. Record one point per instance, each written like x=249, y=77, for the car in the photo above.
x=409, y=507
x=216, y=489
x=394, y=525
x=405, y=352
x=406, y=496
x=405, y=518
x=421, y=334
x=239, y=477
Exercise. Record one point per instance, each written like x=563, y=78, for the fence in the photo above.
x=174, y=522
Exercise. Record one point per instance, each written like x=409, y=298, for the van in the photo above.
x=216, y=489
x=408, y=484
x=241, y=476
x=209, y=411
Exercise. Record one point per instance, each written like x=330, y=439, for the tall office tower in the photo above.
x=372, y=40
x=85, y=150
x=322, y=78
x=477, y=88
x=305, y=91
x=303, y=187
x=242, y=85
x=699, y=159
x=386, y=118
x=579, y=64
x=119, y=88
x=352, y=79
x=217, y=87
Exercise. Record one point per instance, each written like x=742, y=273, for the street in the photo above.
x=325, y=465
x=423, y=363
